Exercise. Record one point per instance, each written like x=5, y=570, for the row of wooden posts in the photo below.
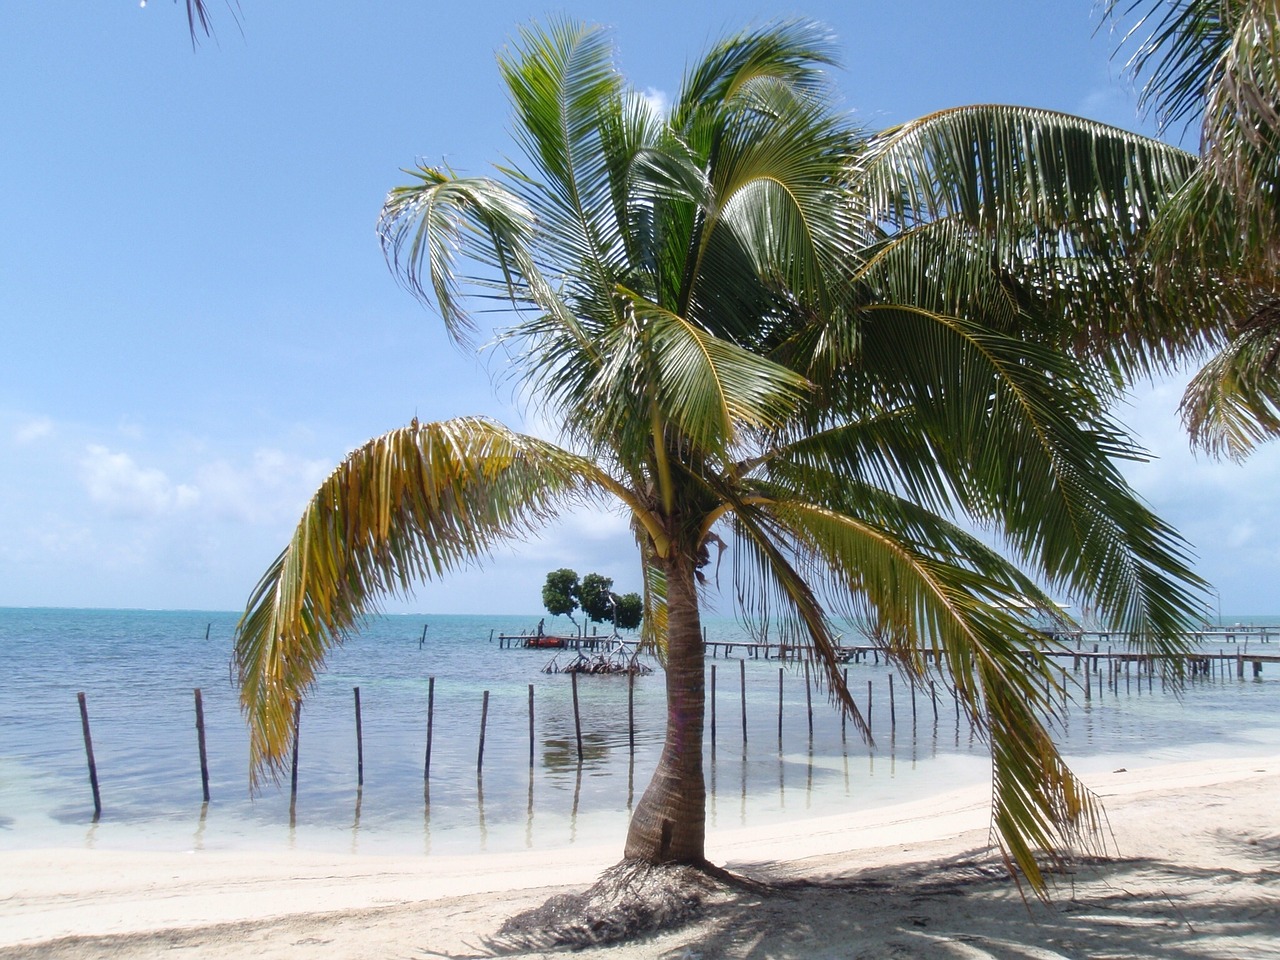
x=1200, y=666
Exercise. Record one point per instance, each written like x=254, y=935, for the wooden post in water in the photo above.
x=844, y=717
x=1088, y=693
x=742, y=684
x=293, y=770
x=713, y=707
x=431, y=713
x=88, y=749
x=868, y=708
x=359, y=741
x=933, y=695
x=780, y=708
x=484, y=719
x=893, y=715
x=531, y=737
x=631, y=709
x=204, y=757
x=577, y=717
x=808, y=697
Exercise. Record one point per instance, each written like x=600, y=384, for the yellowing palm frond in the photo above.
x=410, y=505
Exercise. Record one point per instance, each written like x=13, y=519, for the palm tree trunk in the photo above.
x=669, y=824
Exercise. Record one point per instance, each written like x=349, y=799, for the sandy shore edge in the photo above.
x=1197, y=872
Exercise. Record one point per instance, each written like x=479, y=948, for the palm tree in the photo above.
x=757, y=323
x=1218, y=61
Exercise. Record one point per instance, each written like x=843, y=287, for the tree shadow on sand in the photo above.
x=964, y=907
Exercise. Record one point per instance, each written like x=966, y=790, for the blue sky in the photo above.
x=198, y=323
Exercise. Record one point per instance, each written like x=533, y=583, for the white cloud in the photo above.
x=115, y=481
x=275, y=486
x=657, y=100
x=33, y=430
x=1225, y=510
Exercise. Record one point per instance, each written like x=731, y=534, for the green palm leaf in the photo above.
x=935, y=587
x=1044, y=208
x=1233, y=402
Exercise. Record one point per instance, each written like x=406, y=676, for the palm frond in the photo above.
x=776, y=595
x=425, y=225
x=410, y=505
x=705, y=387
x=567, y=96
x=792, y=52
x=200, y=21
x=1233, y=402
x=933, y=586
x=1027, y=448
x=1058, y=208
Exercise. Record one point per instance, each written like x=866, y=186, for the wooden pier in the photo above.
x=1090, y=648
x=534, y=641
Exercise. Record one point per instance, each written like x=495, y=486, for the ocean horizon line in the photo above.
x=1222, y=618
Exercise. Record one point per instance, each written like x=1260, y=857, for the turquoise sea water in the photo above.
x=138, y=671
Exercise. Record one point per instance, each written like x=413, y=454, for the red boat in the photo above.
x=546, y=643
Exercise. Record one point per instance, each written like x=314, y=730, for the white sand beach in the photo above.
x=1195, y=872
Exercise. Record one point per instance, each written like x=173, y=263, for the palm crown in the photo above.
x=757, y=322
x=1218, y=62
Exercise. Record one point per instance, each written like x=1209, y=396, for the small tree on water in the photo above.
x=560, y=593
x=563, y=592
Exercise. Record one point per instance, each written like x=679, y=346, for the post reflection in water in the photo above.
x=355, y=820
x=528, y=817
x=426, y=817
x=782, y=781
x=577, y=796
x=712, y=786
x=484, y=830
x=808, y=790
x=200, y=825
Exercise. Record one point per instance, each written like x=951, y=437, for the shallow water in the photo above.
x=139, y=669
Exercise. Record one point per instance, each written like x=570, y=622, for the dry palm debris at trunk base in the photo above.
x=631, y=899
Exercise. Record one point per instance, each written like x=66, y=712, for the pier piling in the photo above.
x=808, y=698
x=893, y=715
x=780, y=708
x=88, y=749
x=484, y=720
x=359, y=741
x=293, y=767
x=577, y=716
x=204, y=756
x=431, y=714
x=713, y=707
